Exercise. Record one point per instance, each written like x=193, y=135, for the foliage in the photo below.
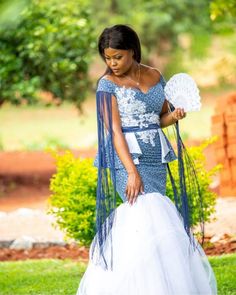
x=51, y=276
x=223, y=13
x=47, y=45
x=74, y=193
x=221, y=8
x=73, y=200
x=158, y=22
x=49, y=48
x=10, y=11
x=160, y=26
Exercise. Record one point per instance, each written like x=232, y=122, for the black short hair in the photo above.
x=119, y=37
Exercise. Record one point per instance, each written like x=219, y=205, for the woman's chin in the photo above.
x=117, y=72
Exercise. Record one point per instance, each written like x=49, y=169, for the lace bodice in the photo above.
x=137, y=108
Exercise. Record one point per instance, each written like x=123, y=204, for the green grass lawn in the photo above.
x=44, y=277
x=35, y=127
x=40, y=277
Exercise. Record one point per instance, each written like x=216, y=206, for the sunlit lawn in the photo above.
x=33, y=128
x=44, y=277
x=40, y=277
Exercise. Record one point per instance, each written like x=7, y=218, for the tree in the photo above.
x=156, y=21
x=222, y=8
x=48, y=48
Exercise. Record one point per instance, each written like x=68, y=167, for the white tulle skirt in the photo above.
x=151, y=254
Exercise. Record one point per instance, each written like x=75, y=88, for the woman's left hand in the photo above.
x=179, y=113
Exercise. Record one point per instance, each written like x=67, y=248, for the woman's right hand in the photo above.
x=134, y=186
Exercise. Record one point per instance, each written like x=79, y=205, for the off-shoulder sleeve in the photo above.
x=105, y=88
x=105, y=85
x=162, y=81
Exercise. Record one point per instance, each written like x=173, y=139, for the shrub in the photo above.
x=73, y=187
x=73, y=200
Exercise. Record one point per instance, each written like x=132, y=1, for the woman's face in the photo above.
x=118, y=60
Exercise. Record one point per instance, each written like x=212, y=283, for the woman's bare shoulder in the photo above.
x=151, y=72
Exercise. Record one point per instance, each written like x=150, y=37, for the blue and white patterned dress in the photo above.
x=151, y=252
x=151, y=154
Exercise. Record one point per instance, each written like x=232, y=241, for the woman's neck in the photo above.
x=133, y=70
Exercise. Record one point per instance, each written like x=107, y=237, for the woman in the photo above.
x=144, y=246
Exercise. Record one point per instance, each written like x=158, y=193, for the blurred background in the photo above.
x=49, y=66
x=49, y=58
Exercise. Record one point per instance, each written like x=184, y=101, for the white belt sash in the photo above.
x=133, y=145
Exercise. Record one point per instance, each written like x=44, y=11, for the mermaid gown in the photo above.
x=151, y=250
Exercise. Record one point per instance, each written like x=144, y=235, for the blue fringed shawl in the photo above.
x=106, y=184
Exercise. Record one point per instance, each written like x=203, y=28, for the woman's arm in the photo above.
x=134, y=183
x=167, y=119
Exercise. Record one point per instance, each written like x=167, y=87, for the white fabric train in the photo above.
x=151, y=254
